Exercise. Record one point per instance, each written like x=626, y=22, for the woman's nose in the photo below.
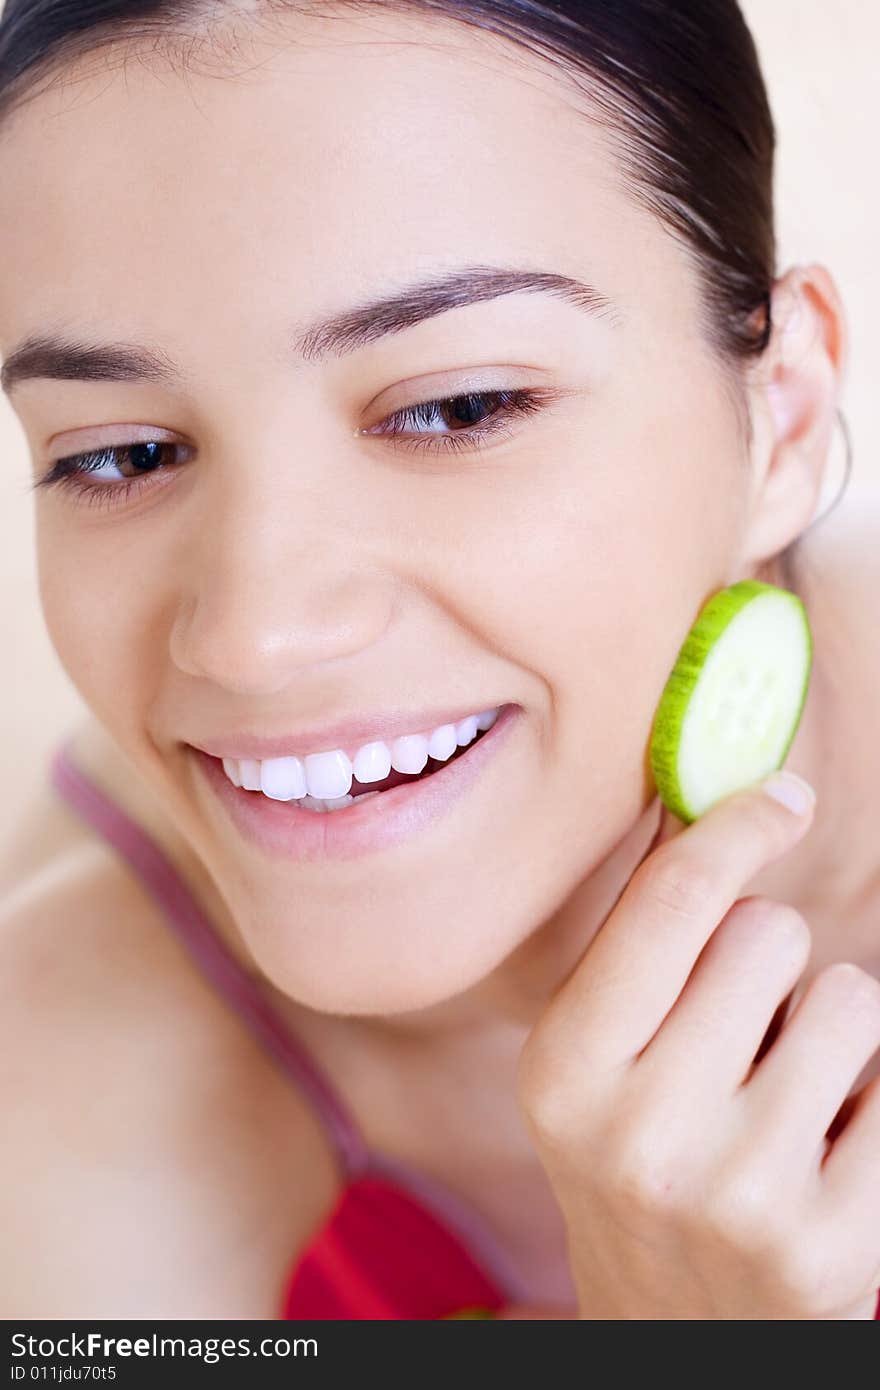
x=259, y=607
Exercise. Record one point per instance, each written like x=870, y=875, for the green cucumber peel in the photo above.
x=733, y=701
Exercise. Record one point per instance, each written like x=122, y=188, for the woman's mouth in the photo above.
x=273, y=803
x=329, y=781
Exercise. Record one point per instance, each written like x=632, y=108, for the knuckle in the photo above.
x=777, y=925
x=849, y=985
x=542, y=1092
x=748, y=1216
x=742, y=1214
x=678, y=883
x=640, y=1174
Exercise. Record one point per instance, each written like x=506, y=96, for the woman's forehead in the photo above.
x=360, y=154
x=412, y=117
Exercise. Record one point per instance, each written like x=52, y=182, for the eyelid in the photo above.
x=445, y=385
x=545, y=393
x=513, y=404
x=113, y=436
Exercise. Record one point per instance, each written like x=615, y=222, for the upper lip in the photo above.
x=344, y=733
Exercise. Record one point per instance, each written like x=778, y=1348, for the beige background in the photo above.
x=819, y=61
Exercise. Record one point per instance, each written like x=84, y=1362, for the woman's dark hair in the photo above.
x=677, y=83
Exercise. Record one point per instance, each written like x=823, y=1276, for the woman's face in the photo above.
x=280, y=572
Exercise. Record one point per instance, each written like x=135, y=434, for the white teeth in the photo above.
x=409, y=753
x=323, y=781
x=249, y=771
x=466, y=730
x=442, y=743
x=372, y=763
x=230, y=767
x=328, y=774
x=283, y=779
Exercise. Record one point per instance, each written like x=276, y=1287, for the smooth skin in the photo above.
x=284, y=569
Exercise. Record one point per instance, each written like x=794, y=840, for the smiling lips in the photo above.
x=382, y=818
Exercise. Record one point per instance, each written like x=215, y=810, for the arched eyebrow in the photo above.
x=59, y=358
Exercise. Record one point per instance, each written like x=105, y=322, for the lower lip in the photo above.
x=285, y=829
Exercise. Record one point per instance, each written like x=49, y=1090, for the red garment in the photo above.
x=381, y=1254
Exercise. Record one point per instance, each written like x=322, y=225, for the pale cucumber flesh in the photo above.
x=733, y=701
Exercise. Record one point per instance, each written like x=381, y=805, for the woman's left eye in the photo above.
x=462, y=421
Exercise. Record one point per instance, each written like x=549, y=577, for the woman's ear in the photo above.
x=794, y=393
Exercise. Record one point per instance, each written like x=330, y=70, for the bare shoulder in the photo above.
x=155, y=1162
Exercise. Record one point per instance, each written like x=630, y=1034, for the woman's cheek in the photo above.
x=96, y=604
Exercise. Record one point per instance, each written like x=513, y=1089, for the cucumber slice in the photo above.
x=733, y=701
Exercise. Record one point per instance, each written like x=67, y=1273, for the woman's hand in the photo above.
x=697, y=1178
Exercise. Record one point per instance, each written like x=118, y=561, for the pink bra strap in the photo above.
x=183, y=913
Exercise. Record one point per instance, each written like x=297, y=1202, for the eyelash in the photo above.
x=68, y=473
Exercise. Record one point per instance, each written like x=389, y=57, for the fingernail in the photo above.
x=793, y=791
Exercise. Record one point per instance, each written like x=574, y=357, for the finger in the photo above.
x=747, y=968
x=634, y=969
x=800, y=1085
x=851, y=1171
x=850, y=1195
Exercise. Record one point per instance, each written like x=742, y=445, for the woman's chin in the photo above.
x=386, y=971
